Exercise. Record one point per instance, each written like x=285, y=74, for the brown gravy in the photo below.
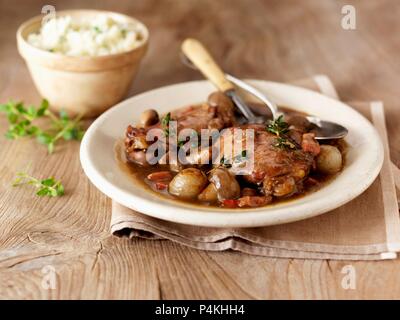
x=139, y=175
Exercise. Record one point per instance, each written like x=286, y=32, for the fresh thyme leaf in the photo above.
x=31, y=112
x=181, y=143
x=80, y=134
x=166, y=119
x=70, y=134
x=19, y=129
x=42, y=109
x=20, y=108
x=12, y=118
x=48, y=182
x=42, y=192
x=32, y=130
x=46, y=187
x=165, y=123
x=64, y=115
x=278, y=126
x=44, y=138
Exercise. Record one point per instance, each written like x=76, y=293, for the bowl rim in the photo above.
x=28, y=51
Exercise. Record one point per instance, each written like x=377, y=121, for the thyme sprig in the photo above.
x=45, y=187
x=21, y=121
x=280, y=128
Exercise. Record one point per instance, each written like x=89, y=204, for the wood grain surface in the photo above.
x=275, y=40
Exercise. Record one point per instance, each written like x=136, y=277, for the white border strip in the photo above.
x=326, y=86
x=390, y=204
x=396, y=174
x=388, y=255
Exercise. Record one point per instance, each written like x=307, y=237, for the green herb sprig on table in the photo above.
x=21, y=124
x=280, y=128
x=46, y=187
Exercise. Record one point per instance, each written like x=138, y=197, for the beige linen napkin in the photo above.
x=367, y=228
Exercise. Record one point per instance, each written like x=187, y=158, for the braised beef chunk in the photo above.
x=280, y=160
x=218, y=113
x=280, y=170
x=309, y=144
x=135, y=144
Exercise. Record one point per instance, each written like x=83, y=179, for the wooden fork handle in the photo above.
x=202, y=59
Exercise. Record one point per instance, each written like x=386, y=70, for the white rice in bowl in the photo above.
x=98, y=36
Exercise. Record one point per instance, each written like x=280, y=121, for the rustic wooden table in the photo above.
x=276, y=40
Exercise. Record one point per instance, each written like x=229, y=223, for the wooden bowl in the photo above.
x=81, y=85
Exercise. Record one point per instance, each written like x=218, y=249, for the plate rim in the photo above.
x=233, y=218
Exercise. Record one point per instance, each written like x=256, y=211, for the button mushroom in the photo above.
x=225, y=183
x=218, y=98
x=209, y=194
x=149, y=117
x=188, y=183
x=225, y=109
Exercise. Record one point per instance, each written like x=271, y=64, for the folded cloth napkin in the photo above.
x=367, y=228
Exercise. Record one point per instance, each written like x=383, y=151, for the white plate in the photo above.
x=363, y=161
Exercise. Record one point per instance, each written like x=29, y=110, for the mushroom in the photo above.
x=209, y=194
x=225, y=183
x=219, y=98
x=188, y=183
x=149, y=117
